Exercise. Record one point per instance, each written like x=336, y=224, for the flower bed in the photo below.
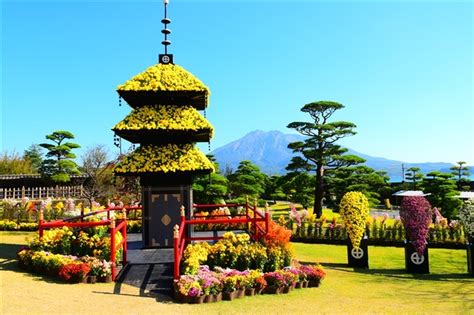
x=237, y=252
x=72, y=269
x=235, y=267
x=441, y=234
x=207, y=286
x=70, y=255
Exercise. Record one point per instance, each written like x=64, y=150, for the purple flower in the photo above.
x=415, y=213
x=193, y=292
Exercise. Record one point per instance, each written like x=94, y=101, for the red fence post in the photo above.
x=182, y=214
x=176, y=251
x=40, y=223
x=255, y=232
x=124, y=234
x=247, y=213
x=267, y=218
x=112, y=247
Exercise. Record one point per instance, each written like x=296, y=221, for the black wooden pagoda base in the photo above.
x=162, y=198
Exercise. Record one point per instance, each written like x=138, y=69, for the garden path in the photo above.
x=149, y=269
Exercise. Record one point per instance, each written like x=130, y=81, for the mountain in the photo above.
x=269, y=151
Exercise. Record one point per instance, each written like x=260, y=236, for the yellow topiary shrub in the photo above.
x=354, y=210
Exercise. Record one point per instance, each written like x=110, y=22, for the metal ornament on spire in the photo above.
x=166, y=58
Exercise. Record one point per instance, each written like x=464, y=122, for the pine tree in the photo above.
x=318, y=152
x=59, y=163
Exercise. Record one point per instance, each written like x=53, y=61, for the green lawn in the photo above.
x=384, y=288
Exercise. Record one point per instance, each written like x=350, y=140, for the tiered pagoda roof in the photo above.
x=164, y=124
x=165, y=84
x=169, y=158
x=165, y=121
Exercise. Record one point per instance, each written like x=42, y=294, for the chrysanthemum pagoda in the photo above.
x=166, y=123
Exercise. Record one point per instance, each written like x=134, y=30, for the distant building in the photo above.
x=466, y=195
x=409, y=193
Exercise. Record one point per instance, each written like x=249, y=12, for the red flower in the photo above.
x=74, y=272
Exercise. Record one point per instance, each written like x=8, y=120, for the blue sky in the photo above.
x=403, y=70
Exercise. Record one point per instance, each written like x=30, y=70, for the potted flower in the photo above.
x=354, y=210
x=188, y=289
x=74, y=272
x=314, y=274
x=260, y=284
x=229, y=287
x=415, y=213
x=250, y=282
x=275, y=282
x=466, y=215
x=211, y=284
x=301, y=282
x=291, y=276
x=105, y=274
x=95, y=268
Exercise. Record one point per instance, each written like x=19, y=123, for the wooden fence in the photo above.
x=42, y=192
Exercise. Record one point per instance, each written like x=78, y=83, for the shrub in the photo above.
x=65, y=241
x=466, y=215
x=7, y=225
x=415, y=213
x=354, y=209
x=277, y=236
x=57, y=241
x=134, y=226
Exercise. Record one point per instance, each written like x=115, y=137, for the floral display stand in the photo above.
x=354, y=208
x=415, y=213
x=470, y=256
x=358, y=257
x=415, y=263
x=466, y=216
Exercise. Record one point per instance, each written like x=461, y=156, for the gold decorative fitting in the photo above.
x=267, y=208
x=176, y=231
x=41, y=216
x=112, y=223
x=124, y=213
x=182, y=211
x=166, y=220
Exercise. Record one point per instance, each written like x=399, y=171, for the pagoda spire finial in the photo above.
x=166, y=58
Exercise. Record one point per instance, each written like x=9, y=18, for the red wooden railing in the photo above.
x=121, y=227
x=252, y=218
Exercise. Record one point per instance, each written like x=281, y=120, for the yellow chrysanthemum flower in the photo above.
x=165, y=158
x=161, y=77
x=164, y=117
